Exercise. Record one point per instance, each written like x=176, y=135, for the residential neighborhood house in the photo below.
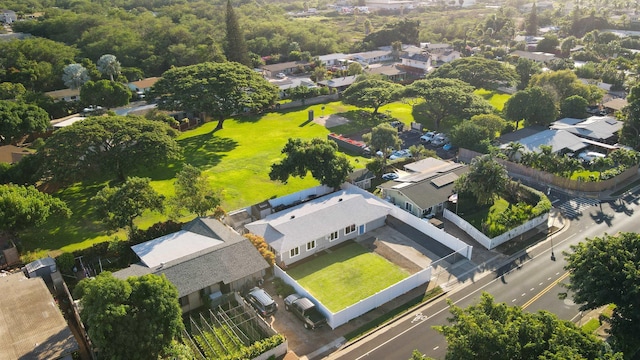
x=204, y=260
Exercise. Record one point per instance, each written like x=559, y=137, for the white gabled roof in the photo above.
x=173, y=246
x=317, y=218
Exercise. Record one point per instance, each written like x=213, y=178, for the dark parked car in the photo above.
x=262, y=302
x=305, y=310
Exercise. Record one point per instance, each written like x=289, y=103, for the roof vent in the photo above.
x=339, y=199
x=293, y=217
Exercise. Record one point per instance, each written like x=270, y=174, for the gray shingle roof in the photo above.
x=594, y=127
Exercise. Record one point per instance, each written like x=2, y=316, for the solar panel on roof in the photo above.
x=443, y=180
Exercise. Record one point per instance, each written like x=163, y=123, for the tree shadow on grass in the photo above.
x=206, y=149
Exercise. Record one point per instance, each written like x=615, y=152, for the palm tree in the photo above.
x=74, y=76
x=514, y=151
x=109, y=65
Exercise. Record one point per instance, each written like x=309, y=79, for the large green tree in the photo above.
x=485, y=180
x=194, y=192
x=236, y=47
x=630, y=132
x=446, y=99
x=119, y=206
x=112, y=146
x=216, y=89
x=383, y=138
x=534, y=105
x=105, y=93
x=371, y=93
x=472, y=136
x=563, y=84
x=525, y=68
x=18, y=119
x=490, y=330
x=137, y=318
x=318, y=156
x=574, y=107
x=477, y=71
x=25, y=206
x=605, y=270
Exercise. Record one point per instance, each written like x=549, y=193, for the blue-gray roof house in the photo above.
x=205, y=259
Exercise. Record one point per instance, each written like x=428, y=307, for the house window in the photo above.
x=184, y=301
x=294, y=252
x=332, y=236
x=408, y=206
x=311, y=245
x=349, y=229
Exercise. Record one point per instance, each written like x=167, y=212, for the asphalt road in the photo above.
x=530, y=281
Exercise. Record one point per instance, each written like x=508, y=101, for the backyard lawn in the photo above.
x=347, y=275
x=236, y=159
x=486, y=214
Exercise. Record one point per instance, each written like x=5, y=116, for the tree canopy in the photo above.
x=318, y=156
x=574, y=107
x=384, y=138
x=371, y=93
x=193, y=192
x=604, y=270
x=485, y=180
x=120, y=205
x=471, y=135
x=477, y=71
x=447, y=99
x=134, y=318
x=25, y=206
x=490, y=330
x=107, y=145
x=236, y=47
x=18, y=119
x=217, y=89
x=630, y=132
x=534, y=105
x=563, y=84
x=105, y=93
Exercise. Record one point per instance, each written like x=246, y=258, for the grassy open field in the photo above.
x=495, y=98
x=351, y=273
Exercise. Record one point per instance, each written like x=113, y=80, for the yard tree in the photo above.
x=478, y=72
x=574, y=107
x=603, y=271
x=371, y=93
x=109, y=66
x=526, y=68
x=384, y=138
x=490, y=330
x=11, y=91
x=136, y=318
x=119, y=206
x=492, y=122
x=18, y=119
x=472, y=136
x=112, y=146
x=532, y=21
x=193, y=192
x=446, y=99
x=74, y=76
x=318, y=156
x=236, y=47
x=563, y=84
x=548, y=44
x=216, y=89
x=105, y=93
x=534, y=105
x=485, y=180
x=24, y=207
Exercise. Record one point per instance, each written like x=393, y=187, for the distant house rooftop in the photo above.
x=616, y=104
x=170, y=247
x=535, y=56
x=559, y=140
x=144, y=83
x=339, y=82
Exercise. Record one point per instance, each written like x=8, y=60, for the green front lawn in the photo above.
x=347, y=275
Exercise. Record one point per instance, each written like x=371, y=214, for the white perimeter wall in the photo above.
x=381, y=297
x=301, y=195
x=484, y=240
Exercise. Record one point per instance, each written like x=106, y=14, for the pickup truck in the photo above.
x=305, y=310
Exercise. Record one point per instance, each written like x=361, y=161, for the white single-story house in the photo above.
x=287, y=68
x=335, y=59
x=597, y=128
x=8, y=16
x=284, y=85
x=339, y=84
x=67, y=95
x=561, y=141
x=536, y=56
x=390, y=72
x=140, y=87
x=372, y=57
x=420, y=61
x=319, y=224
x=205, y=259
x=425, y=188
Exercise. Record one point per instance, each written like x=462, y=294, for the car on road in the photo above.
x=439, y=140
x=390, y=176
x=305, y=310
x=400, y=154
x=91, y=108
x=281, y=75
x=261, y=301
x=427, y=137
x=449, y=147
